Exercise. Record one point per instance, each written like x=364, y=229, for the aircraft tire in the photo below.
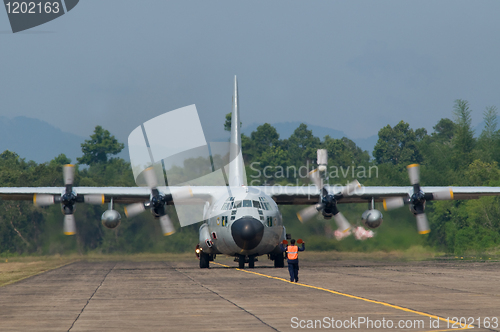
x=251, y=262
x=204, y=261
x=241, y=261
x=279, y=261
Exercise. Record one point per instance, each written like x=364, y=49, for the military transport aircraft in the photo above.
x=240, y=220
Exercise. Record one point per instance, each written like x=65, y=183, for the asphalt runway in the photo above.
x=178, y=296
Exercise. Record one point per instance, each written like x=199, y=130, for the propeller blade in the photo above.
x=414, y=173
x=43, y=200
x=307, y=213
x=362, y=234
x=342, y=223
x=392, y=203
x=150, y=177
x=68, y=174
x=350, y=188
x=422, y=224
x=322, y=159
x=94, y=199
x=134, y=209
x=443, y=195
x=341, y=235
x=315, y=178
x=69, y=224
x=166, y=225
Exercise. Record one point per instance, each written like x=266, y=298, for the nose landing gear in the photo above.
x=242, y=259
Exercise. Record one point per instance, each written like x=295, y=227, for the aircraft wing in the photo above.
x=123, y=195
x=284, y=195
x=293, y=195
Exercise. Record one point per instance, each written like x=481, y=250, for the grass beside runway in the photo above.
x=14, y=269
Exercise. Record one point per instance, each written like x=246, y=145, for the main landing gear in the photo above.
x=204, y=258
x=279, y=259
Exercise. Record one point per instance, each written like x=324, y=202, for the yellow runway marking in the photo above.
x=356, y=297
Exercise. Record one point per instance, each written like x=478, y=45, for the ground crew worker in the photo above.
x=293, y=259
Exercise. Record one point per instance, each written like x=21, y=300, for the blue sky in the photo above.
x=354, y=66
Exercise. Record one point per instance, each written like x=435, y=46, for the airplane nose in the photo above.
x=247, y=232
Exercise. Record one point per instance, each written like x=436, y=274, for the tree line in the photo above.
x=451, y=155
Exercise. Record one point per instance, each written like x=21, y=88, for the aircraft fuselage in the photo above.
x=243, y=222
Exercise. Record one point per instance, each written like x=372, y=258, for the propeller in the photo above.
x=158, y=202
x=328, y=202
x=68, y=199
x=417, y=199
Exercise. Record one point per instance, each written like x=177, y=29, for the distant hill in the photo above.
x=37, y=140
x=286, y=129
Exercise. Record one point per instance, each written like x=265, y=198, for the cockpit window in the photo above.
x=264, y=204
x=227, y=206
x=247, y=203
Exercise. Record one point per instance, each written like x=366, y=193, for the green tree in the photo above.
x=436, y=150
x=444, y=130
x=302, y=145
x=260, y=141
x=490, y=123
x=344, y=152
x=398, y=145
x=463, y=140
x=22, y=225
x=264, y=137
x=480, y=173
x=488, y=142
x=227, y=123
x=100, y=147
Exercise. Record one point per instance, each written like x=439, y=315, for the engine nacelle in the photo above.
x=372, y=218
x=111, y=219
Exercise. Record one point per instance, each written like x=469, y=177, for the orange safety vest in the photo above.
x=293, y=252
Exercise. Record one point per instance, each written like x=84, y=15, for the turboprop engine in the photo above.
x=372, y=218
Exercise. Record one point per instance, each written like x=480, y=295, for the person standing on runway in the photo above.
x=293, y=258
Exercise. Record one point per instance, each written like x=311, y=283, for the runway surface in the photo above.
x=178, y=296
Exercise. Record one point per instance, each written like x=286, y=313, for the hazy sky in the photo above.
x=354, y=66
